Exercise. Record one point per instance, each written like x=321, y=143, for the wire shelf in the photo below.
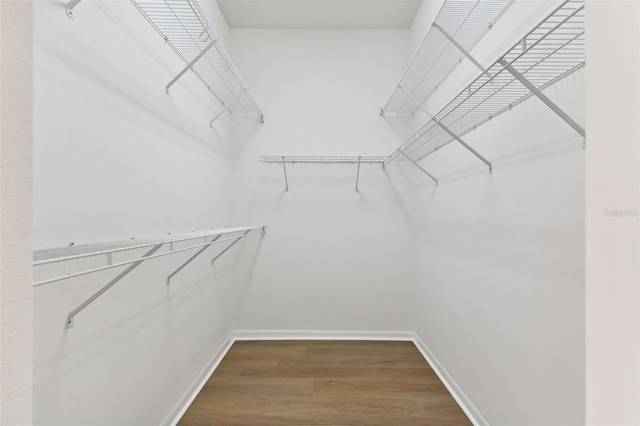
x=184, y=27
x=436, y=58
x=553, y=49
x=329, y=159
x=96, y=258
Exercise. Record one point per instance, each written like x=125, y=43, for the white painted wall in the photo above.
x=114, y=158
x=612, y=239
x=500, y=257
x=16, y=345
x=333, y=259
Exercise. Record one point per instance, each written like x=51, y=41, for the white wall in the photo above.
x=114, y=158
x=333, y=259
x=500, y=293
x=16, y=346
x=612, y=239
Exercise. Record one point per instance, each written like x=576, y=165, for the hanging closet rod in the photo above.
x=551, y=51
x=458, y=28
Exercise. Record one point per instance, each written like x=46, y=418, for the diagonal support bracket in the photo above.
x=70, y=6
x=198, y=253
x=450, y=133
x=417, y=165
x=533, y=89
x=189, y=66
x=226, y=108
x=111, y=283
x=230, y=245
x=461, y=49
x=286, y=181
x=358, y=173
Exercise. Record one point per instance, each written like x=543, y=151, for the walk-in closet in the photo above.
x=328, y=212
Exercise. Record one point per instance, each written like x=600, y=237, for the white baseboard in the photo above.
x=322, y=335
x=192, y=392
x=239, y=335
x=463, y=401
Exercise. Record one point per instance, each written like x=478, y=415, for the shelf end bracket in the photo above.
x=189, y=65
x=70, y=6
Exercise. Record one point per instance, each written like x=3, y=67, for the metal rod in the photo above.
x=229, y=246
x=418, y=166
x=189, y=66
x=198, y=253
x=555, y=108
x=111, y=283
x=286, y=181
x=461, y=49
x=128, y=262
x=452, y=134
x=70, y=6
x=358, y=174
x=226, y=108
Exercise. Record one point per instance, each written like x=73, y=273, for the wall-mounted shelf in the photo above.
x=131, y=254
x=459, y=26
x=332, y=159
x=184, y=27
x=552, y=50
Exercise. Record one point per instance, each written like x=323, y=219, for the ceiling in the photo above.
x=320, y=14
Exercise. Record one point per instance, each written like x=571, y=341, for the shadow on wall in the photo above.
x=402, y=126
x=318, y=181
x=245, y=270
x=242, y=128
x=407, y=200
x=110, y=86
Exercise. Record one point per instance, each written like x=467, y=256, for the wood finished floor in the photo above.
x=324, y=383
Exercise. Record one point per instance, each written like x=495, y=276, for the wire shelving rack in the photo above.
x=552, y=50
x=184, y=27
x=457, y=29
x=323, y=159
x=78, y=261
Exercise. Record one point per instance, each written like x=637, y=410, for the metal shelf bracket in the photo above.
x=538, y=94
x=358, y=173
x=229, y=246
x=198, y=253
x=450, y=133
x=121, y=275
x=228, y=106
x=70, y=6
x=418, y=166
x=189, y=66
x=461, y=49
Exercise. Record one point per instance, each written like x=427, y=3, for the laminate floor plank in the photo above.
x=321, y=383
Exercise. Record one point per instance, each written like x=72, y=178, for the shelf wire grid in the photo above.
x=436, y=58
x=552, y=50
x=184, y=27
x=328, y=159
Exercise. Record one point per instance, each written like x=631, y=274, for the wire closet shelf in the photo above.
x=457, y=29
x=323, y=159
x=551, y=51
x=76, y=261
x=184, y=27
